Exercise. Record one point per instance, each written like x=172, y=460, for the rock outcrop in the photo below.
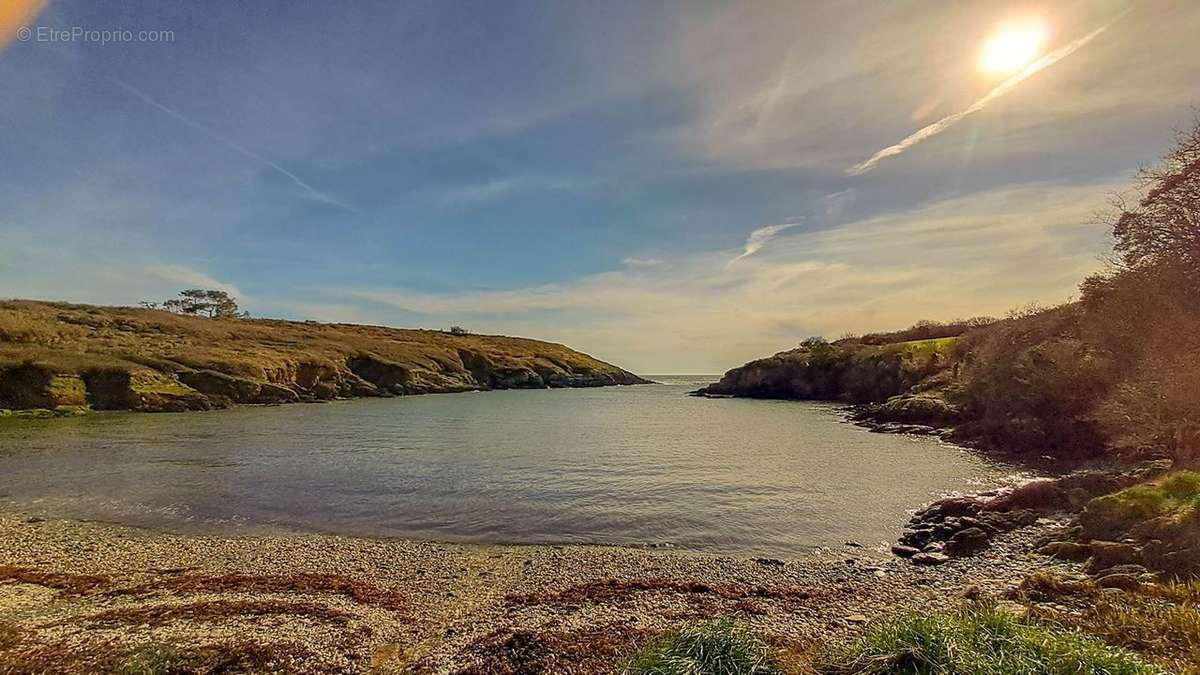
x=853, y=373
x=58, y=356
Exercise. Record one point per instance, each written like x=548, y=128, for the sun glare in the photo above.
x=1014, y=47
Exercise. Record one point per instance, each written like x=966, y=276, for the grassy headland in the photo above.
x=56, y=355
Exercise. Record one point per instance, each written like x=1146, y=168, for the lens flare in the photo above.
x=1014, y=47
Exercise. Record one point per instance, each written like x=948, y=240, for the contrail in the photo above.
x=759, y=238
x=1000, y=90
x=309, y=191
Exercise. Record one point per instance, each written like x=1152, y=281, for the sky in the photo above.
x=676, y=187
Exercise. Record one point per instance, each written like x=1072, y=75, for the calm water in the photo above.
x=621, y=465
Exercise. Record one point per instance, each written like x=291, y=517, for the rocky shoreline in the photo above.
x=85, y=595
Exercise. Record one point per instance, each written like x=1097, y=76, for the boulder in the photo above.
x=949, y=507
x=1066, y=550
x=1127, y=582
x=967, y=542
x=1135, y=570
x=1039, y=494
x=904, y=551
x=1106, y=554
x=275, y=393
x=213, y=383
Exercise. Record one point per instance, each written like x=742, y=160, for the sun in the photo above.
x=1013, y=47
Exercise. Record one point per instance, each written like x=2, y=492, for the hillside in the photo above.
x=119, y=358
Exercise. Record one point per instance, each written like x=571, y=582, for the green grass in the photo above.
x=943, y=346
x=712, y=648
x=1176, y=493
x=977, y=640
x=154, y=659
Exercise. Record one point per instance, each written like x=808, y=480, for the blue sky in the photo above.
x=589, y=173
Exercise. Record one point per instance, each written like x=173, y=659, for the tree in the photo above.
x=459, y=330
x=1163, y=227
x=204, y=302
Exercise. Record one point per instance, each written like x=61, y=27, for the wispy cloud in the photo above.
x=500, y=187
x=191, y=278
x=307, y=190
x=759, y=238
x=641, y=262
x=1000, y=90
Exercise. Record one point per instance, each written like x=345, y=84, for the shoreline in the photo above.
x=334, y=603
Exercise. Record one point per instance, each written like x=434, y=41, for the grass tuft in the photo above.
x=154, y=659
x=712, y=648
x=979, y=639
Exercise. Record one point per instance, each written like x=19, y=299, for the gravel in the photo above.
x=463, y=604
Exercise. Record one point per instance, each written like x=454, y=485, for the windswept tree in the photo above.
x=1163, y=228
x=1145, y=309
x=204, y=302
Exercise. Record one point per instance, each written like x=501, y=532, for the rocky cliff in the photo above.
x=55, y=355
x=853, y=373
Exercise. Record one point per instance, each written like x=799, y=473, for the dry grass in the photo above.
x=1046, y=586
x=1159, y=621
x=83, y=336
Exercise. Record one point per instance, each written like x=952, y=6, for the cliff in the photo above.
x=849, y=372
x=54, y=355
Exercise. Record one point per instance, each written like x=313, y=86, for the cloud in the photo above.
x=641, y=262
x=500, y=187
x=961, y=256
x=186, y=277
x=1000, y=90
x=306, y=190
x=759, y=238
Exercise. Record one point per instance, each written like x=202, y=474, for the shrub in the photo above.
x=977, y=640
x=713, y=648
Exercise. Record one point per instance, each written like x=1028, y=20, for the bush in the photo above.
x=977, y=640
x=713, y=648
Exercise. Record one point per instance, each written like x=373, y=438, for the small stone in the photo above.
x=769, y=562
x=930, y=558
x=853, y=544
x=856, y=618
x=880, y=573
